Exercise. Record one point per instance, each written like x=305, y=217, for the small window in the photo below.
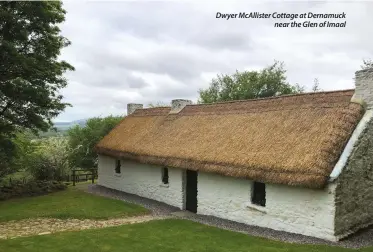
x=117, y=166
x=165, y=176
x=258, y=196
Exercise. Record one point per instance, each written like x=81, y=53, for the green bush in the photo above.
x=32, y=188
x=50, y=161
x=44, y=168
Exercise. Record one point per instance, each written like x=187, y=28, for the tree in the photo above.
x=83, y=139
x=7, y=152
x=316, y=85
x=368, y=63
x=270, y=81
x=158, y=104
x=25, y=148
x=31, y=74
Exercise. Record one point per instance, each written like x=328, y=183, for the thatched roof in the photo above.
x=294, y=140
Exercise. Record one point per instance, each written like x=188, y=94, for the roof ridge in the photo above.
x=274, y=97
x=163, y=107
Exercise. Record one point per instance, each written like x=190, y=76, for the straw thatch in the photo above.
x=294, y=140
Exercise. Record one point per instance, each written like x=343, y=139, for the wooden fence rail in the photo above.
x=90, y=174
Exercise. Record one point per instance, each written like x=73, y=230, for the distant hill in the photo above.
x=67, y=125
x=62, y=128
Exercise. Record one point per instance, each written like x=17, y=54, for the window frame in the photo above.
x=258, y=194
x=165, y=176
x=118, y=166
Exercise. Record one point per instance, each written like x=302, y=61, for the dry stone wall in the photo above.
x=354, y=192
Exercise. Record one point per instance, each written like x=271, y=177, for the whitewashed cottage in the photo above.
x=299, y=163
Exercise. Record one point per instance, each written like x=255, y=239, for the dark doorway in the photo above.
x=191, y=191
x=258, y=196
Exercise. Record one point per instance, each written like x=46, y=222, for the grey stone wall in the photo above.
x=131, y=107
x=364, y=86
x=354, y=191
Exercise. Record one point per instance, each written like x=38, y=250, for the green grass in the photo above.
x=71, y=203
x=165, y=235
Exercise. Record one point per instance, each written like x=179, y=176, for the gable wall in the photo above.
x=143, y=180
x=354, y=192
x=298, y=210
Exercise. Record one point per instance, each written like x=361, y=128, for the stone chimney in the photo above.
x=131, y=107
x=364, y=87
x=178, y=104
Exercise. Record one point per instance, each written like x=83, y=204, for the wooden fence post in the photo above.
x=93, y=176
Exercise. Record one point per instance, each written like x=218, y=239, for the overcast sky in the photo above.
x=158, y=51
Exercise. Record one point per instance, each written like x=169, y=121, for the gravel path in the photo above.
x=43, y=226
x=363, y=238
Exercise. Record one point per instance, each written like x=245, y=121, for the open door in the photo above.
x=191, y=191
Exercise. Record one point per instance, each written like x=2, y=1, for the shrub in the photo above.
x=50, y=162
x=32, y=188
x=43, y=169
x=44, y=159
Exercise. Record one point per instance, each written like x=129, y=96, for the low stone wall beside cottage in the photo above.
x=143, y=180
x=354, y=192
x=292, y=209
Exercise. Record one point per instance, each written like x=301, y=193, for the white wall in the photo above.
x=292, y=209
x=143, y=180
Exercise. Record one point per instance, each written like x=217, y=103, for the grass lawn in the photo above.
x=162, y=235
x=71, y=203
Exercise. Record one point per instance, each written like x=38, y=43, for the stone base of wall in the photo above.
x=353, y=230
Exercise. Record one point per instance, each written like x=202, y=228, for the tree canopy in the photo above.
x=267, y=82
x=83, y=139
x=158, y=104
x=316, y=85
x=7, y=152
x=368, y=63
x=31, y=74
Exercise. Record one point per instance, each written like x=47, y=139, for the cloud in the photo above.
x=156, y=51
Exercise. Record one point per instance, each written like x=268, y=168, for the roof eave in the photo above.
x=314, y=181
x=338, y=168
